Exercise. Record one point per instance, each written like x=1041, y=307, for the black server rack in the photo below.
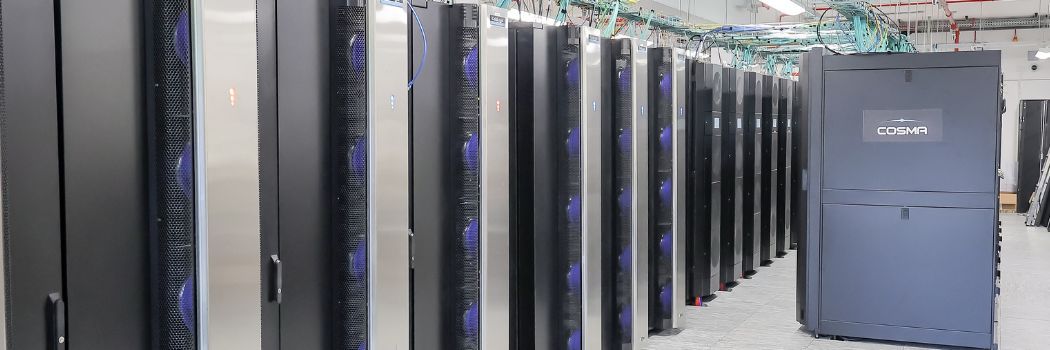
x=770, y=136
x=908, y=252
x=30, y=186
x=437, y=174
x=783, y=180
x=732, y=177
x=794, y=173
x=100, y=234
x=557, y=89
x=334, y=168
x=522, y=39
x=625, y=316
x=460, y=199
x=703, y=200
x=661, y=192
x=74, y=207
x=752, y=201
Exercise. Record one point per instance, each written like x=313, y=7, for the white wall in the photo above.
x=1020, y=83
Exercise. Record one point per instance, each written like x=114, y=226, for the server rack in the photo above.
x=336, y=174
x=369, y=159
x=32, y=235
x=733, y=88
x=564, y=211
x=591, y=187
x=784, y=178
x=752, y=201
x=703, y=189
x=115, y=229
x=523, y=36
x=461, y=187
x=865, y=267
x=627, y=314
x=666, y=168
x=770, y=147
x=795, y=202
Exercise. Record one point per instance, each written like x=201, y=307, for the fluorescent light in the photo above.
x=788, y=7
x=1043, y=53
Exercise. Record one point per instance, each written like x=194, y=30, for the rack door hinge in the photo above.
x=411, y=249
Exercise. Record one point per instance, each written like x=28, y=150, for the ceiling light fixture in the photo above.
x=1043, y=53
x=787, y=7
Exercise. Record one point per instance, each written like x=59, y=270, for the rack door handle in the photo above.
x=56, y=310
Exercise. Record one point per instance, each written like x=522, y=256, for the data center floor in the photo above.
x=760, y=312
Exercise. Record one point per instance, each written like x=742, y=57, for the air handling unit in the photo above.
x=898, y=215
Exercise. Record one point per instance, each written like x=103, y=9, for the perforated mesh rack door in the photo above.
x=622, y=175
x=172, y=175
x=350, y=173
x=661, y=204
x=570, y=182
x=467, y=174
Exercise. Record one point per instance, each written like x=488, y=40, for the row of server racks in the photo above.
x=129, y=158
x=368, y=174
x=598, y=226
x=741, y=185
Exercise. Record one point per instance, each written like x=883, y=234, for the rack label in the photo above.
x=497, y=21
x=908, y=125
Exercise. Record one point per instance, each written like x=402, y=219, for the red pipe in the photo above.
x=952, y=24
x=911, y=4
